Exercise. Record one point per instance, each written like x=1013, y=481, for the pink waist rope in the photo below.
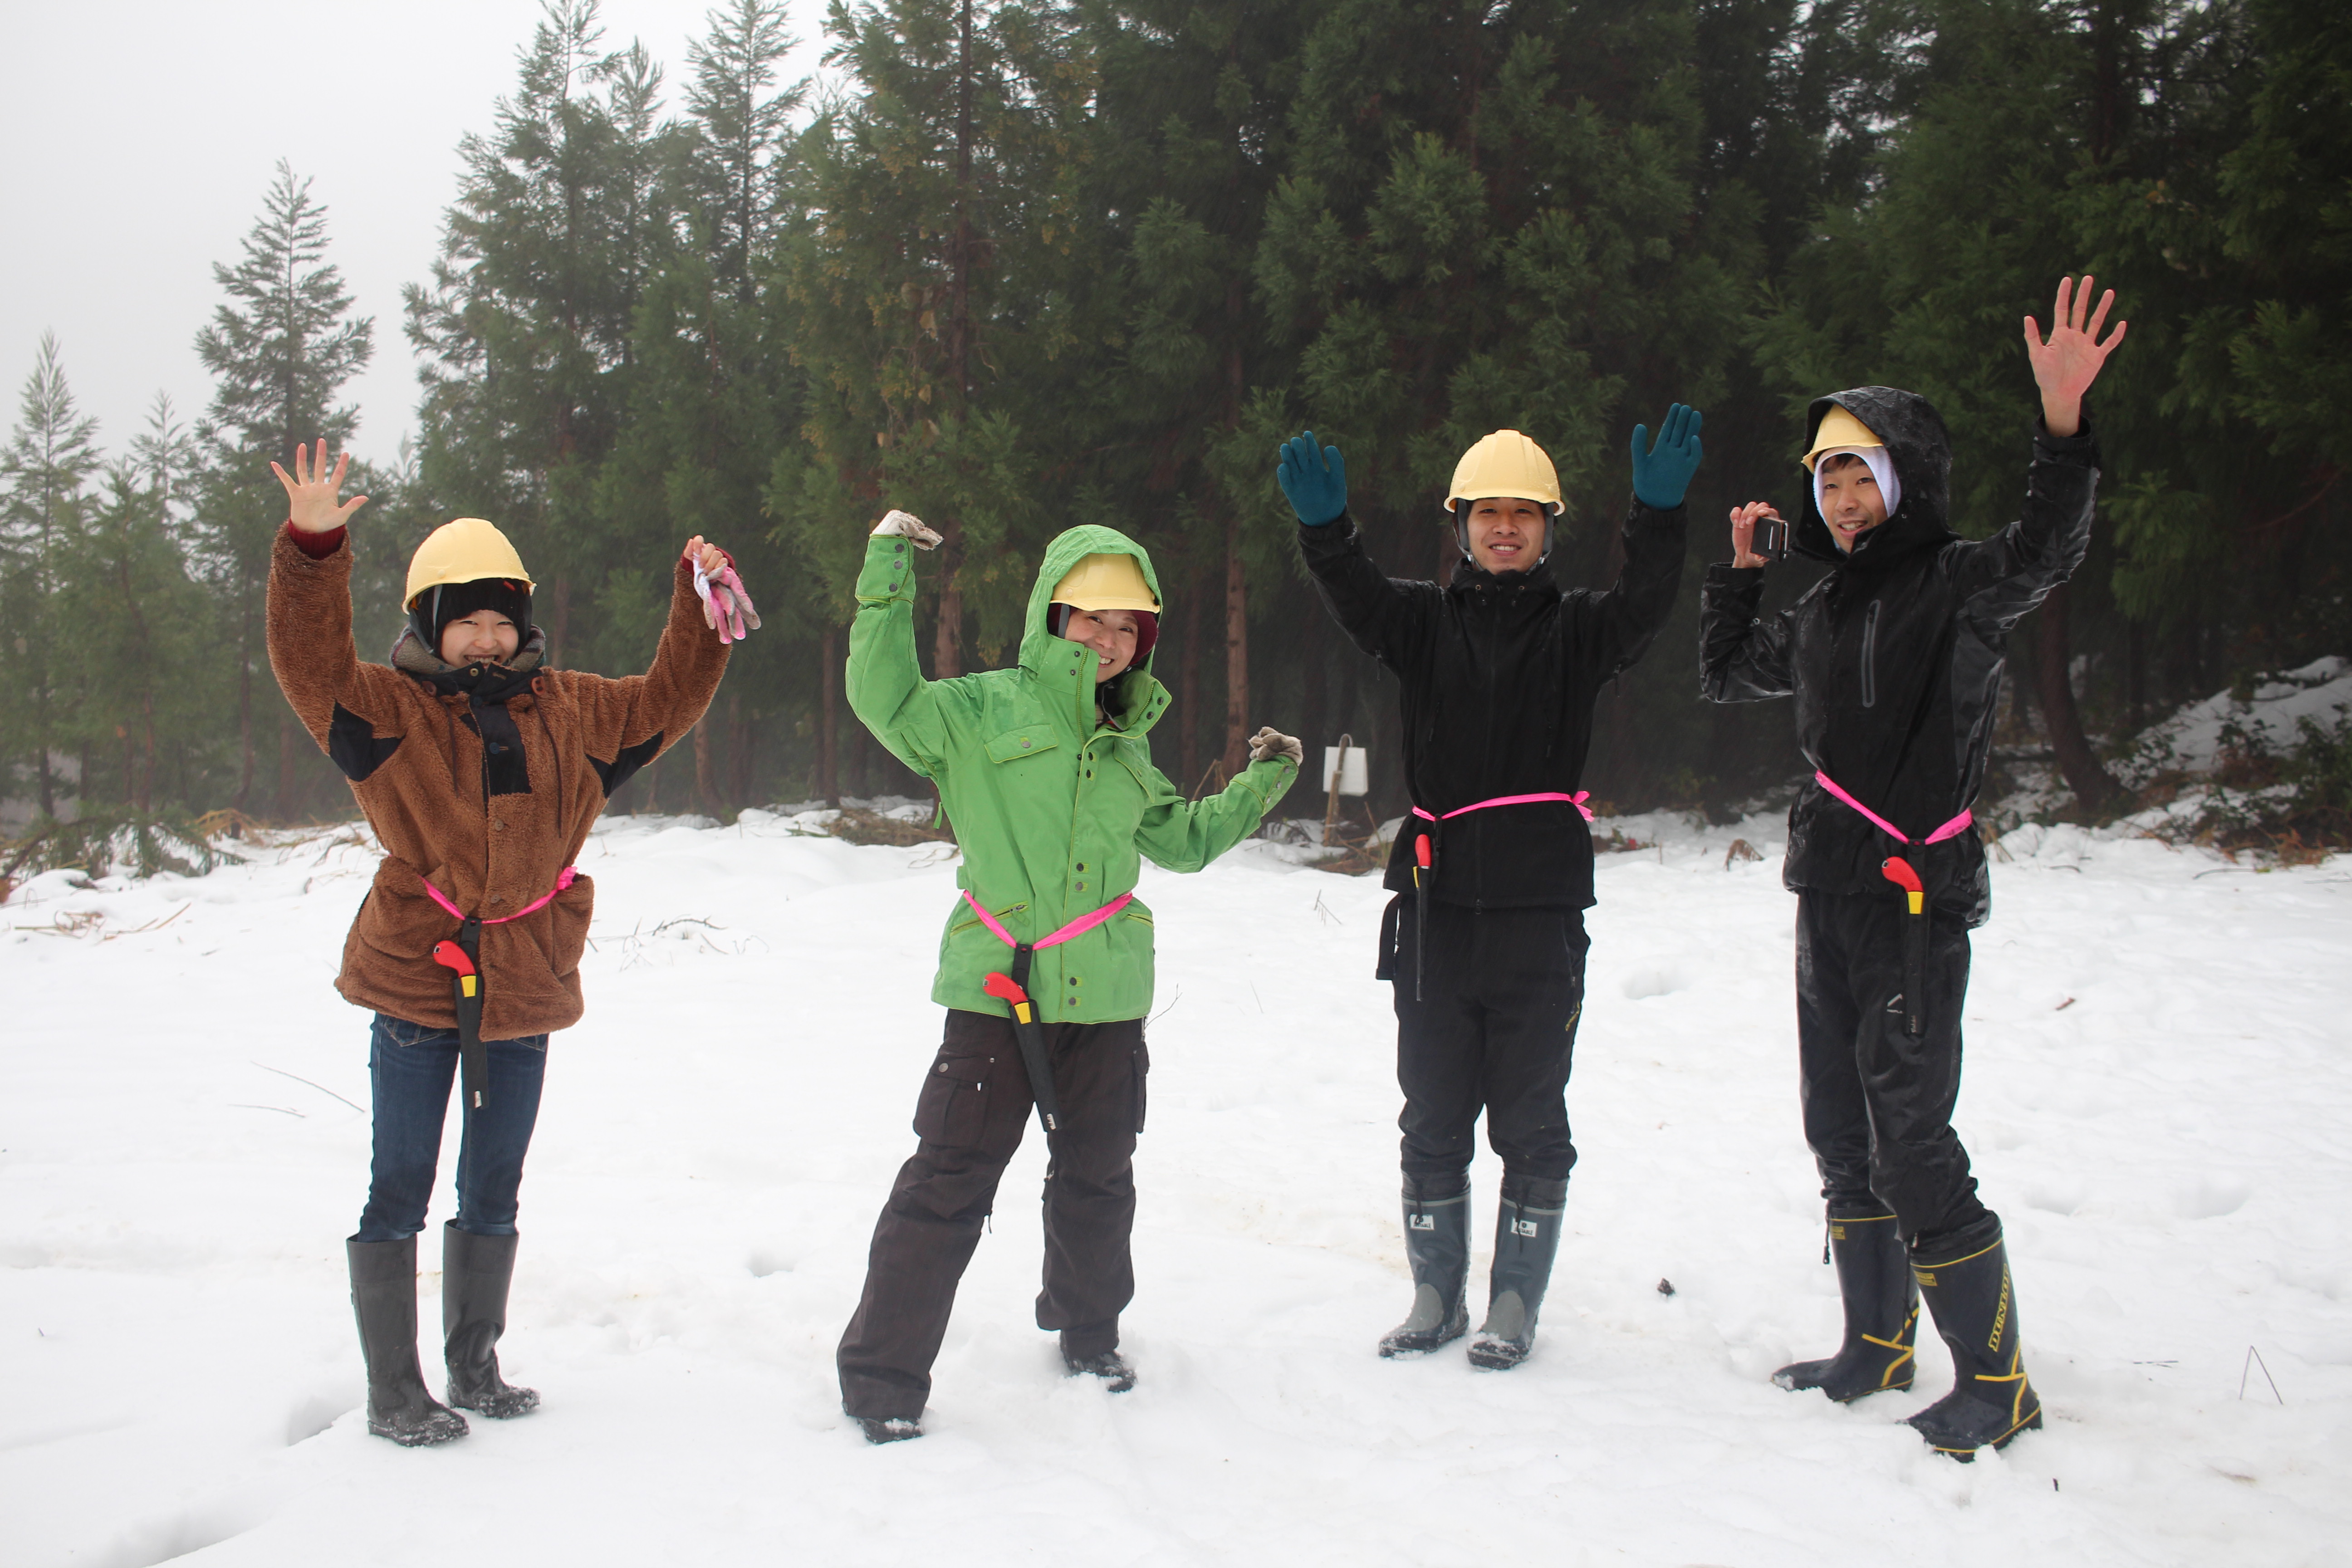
x=1576, y=800
x=571, y=874
x=1951, y=829
x=1078, y=927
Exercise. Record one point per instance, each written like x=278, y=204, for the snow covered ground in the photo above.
x=2158, y=1097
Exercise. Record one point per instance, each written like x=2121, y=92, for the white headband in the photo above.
x=1882, y=469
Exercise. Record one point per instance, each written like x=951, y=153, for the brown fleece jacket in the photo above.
x=418, y=768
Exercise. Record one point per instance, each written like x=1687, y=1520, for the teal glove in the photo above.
x=1315, y=482
x=1662, y=475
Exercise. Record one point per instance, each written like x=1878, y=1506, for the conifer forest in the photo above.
x=1015, y=265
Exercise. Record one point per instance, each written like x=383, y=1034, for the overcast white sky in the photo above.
x=137, y=141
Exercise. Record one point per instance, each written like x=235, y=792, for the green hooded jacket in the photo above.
x=1053, y=809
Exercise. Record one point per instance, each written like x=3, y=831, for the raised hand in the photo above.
x=907, y=525
x=1316, y=482
x=725, y=603
x=1662, y=474
x=313, y=499
x=1743, y=532
x=2066, y=363
x=1270, y=742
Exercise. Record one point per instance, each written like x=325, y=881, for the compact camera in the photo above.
x=1771, y=538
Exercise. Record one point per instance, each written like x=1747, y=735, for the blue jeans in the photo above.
x=410, y=1070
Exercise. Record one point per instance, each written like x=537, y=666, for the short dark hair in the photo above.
x=1838, y=459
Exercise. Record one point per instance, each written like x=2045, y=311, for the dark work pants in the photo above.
x=410, y=1068
x=1494, y=1028
x=1878, y=1102
x=974, y=1106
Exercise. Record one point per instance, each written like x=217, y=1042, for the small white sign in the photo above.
x=1355, y=775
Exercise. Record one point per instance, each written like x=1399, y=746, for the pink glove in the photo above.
x=725, y=603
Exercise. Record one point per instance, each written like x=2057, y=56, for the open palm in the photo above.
x=313, y=498
x=2066, y=363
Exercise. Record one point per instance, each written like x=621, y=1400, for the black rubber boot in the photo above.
x=889, y=1429
x=1437, y=1248
x=1882, y=1314
x=475, y=1273
x=384, y=1299
x=1976, y=1312
x=1527, y=1238
x=1108, y=1365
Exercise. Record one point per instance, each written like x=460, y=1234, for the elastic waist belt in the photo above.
x=1951, y=829
x=1078, y=927
x=1576, y=800
x=571, y=874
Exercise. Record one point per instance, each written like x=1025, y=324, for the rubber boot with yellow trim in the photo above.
x=1882, y=1314
x=1974, y=1310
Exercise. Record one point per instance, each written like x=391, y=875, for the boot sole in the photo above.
x=1498, y=1358
x=412, y=1439
x=1793, y=1386
x=1967, y=1455
x=1394, y=1348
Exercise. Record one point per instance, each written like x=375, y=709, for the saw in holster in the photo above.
x=1899, y=871
x=1013, y=991
x=463, y=958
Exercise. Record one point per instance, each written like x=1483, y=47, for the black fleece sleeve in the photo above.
x=1616, y=628
x=1387, y=617
x=1741, y=658
x=2002, y=578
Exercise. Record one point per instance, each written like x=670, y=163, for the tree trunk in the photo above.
x=290, y=736
x=947, y=654
x=828, y=742
x=1188, y=677
x=244, y=710
x=706, y=793
x=559, y=619
x=1236, y=755
x=41, y=750
x=738, y=751
x=2094, y=787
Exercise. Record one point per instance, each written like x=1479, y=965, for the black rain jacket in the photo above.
x=1499, y=673
x=1894, y=658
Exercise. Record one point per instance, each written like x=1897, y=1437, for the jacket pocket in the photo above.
x=968, y=921
x=568, y=919
x=952, y=1110
x=1870, y=656
x=1023, y=740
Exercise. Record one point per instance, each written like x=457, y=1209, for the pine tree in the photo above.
x=142, y=624
x=1194, y=135
x=49, y=459
x=715, y=393
x=279, y=349
x=939, y=203
x=560, y=223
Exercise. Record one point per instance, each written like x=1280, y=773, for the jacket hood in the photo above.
x=1922, y=450
x=1038, y=644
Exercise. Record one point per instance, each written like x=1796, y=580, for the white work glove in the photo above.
x=1270, y=742
x=907, y=525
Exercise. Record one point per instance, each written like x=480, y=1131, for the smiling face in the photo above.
x=1110, y=633
x=1506, y=533
x=1851, y=503
x=484, y=637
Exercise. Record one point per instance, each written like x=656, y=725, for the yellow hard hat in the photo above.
x=1505, y=464
x=1106, y=581
x=1838, y=430
x=464, y=550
